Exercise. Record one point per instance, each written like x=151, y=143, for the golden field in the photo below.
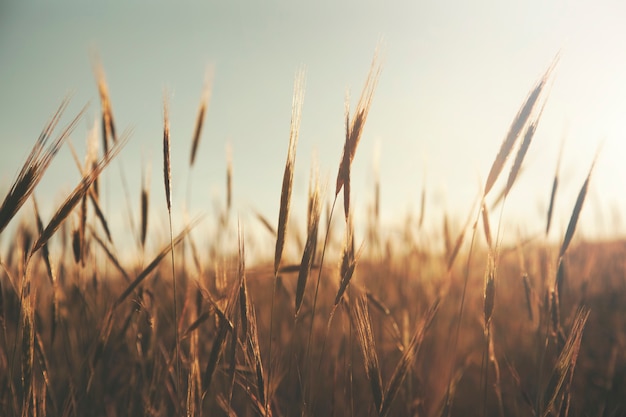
x=394, y=323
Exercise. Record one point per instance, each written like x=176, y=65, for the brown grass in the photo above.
x=204, y=104
x=354, y=130
x=573, y=220
x=35, y=166
x=78, y=194
x=285, y=194
x=108, y=124
x=363, y=326
x=310, y=247
x=555, y=184
x=516, y=128
x=401, y=329
x=167, y=164
x=145, y=205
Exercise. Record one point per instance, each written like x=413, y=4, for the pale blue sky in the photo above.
x=454, y=75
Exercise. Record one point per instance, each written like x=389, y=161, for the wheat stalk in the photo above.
x=489, y=294
x=365, y=337
x=93, y=191
x=108, y=125
x=555, y=184
x=406, y=360
x=79, y=192
x=35, y=166
x=285, y=194
x=519, y=122
x=523, y=149
x=145, y=205
x=153, y=264
x=310, y=248
x=167, y=179
x=354, y=130
x=566, y=363
x=204, y=104
x=573, y=220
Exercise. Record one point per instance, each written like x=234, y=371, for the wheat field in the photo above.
x=366, y=321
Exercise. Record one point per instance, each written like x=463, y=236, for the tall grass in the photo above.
x=404, y=329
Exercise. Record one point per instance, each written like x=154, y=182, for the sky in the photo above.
x=454, y=75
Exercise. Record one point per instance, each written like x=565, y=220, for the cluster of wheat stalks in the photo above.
x=394, y=329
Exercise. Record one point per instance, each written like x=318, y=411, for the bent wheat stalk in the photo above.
x=519, y=122
x=36, y=164
x=354, y=130
x=79, y=192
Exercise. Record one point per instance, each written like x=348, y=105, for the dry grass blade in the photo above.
x=231, y=356
x=490, y=291
x=265, y=222
x=310, y=248
x=291, y=268
x=25, y=238
x=99, y=214
x=408, y=357
x=28, y=351
x=497, y=385
x=145, y=197
x=555, y=311
x=44, y=251
x=79, y=192
x=516, y=128
x=564, y=369
x=573, y=220
x=447, y=239
x=196, y=323
x=344, y=169
x=108, y=125
x=244, y=305
x=44, y=366
x=76, y=245
x=214, y=354
x=144, y=216
x=204, y=104
x=523, y=149
x=377, y=302
x=285, y=194
x=348, y=262
x=36, y=164
x=486, y=226
x=457, y=247
x=167, y=165
x=528, y=294
x=167, y=177
x=555, y=185
x=253, y=340
x=395, y=330
x=111, y=256
x=363, y=325
x=81, y=227
x=93, y=191
x=354, y=129
x=195, y=255
x=560, y=276
x=155, y=262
